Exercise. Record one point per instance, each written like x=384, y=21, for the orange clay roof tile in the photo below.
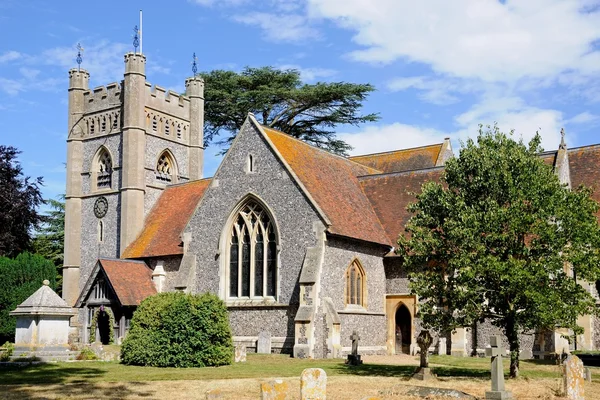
x=391, y=193
x=332, y=182
x=402, y=160
x=131, y=280
x=164, y=224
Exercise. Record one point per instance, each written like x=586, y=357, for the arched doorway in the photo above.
x=104, y=326
x=403, y=330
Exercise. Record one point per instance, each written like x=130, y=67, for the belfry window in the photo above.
x=252, y=254
x=104, y=170
x=165, y=168
x=355, y=284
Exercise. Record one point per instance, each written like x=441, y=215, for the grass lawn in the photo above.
x=241, y=381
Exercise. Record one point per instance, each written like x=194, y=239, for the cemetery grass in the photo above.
x=95, y=379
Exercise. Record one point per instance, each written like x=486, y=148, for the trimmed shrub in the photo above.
x=179, y=330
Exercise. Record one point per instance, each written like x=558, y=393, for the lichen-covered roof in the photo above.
x=44, y=301
x=164, y=224
x=130, y=280
x=391, y=193
x=584, y=166
x=332, y=183
x=402, y=160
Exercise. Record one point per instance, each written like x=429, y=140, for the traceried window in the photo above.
x=252, y=254
x=355, y=284
x=165, y=168
x=104, y=170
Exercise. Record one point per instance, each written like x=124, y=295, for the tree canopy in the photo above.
x=501, y=239
x=281, y=101
x=19, y=198
x=49, y=240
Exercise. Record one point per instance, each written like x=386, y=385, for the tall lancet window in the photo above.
x=165, y=168
x=355, y=284
x=104, y=170
x=252, y=254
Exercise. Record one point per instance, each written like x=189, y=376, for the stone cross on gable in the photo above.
x=496, y=352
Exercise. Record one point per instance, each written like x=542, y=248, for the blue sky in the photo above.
x=440, y=67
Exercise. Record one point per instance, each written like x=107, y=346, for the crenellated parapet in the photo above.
x=102, y=98
x=168, y=102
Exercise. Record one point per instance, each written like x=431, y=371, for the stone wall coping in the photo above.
x=360, y=312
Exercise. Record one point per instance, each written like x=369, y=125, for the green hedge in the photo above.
x=20, y=278
x=179, y=330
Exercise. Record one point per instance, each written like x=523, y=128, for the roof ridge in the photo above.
x=318, y=148
x=122, y=259
x=585, y=147
x=178, y=184
x=440, y=167
x=397, y=151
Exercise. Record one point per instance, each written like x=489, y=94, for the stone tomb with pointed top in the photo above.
x=43, y=326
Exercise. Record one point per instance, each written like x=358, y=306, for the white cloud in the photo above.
x=9, y=56
x=29, y=73
x=280, y=27
x=310, y=74
x=583, y=118
x=485, y=39
x=434, y=90
x=11, y=86
x=375, y=139
x=103, y=60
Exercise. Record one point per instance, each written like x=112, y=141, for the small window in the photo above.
x=165, y=168
x=355, y=284
x=103, y=125
x=92, y=127
x=100, y=231
x=154, y=125
x=115, y=122
x=250, y=165
x=178, y=131
x=167, y=128
x=104, y=170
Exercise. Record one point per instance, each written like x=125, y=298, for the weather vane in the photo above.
x=136, y=38
x=79, y=58
x=194, y=65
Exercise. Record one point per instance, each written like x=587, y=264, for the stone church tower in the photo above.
x=126, y=142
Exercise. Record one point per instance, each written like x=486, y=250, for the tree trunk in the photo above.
x=513, y=341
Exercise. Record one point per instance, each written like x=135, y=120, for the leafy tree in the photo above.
x=281, y=101
x=19, y=198
x=175, y=329
x=21, y=277
x=500, y=239
x=50, y=238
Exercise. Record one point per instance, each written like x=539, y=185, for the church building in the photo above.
x=298, y=242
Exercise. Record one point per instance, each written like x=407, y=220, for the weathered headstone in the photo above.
x=526, y=354
x=442, y=347
x=354, y=358
x=424, y=340
x=276, y=389
x=588, y=374
x=313, y=384
x=214, y=394
x=496, y=352
x=240, y=353
x=264, y=343
x=573, y=375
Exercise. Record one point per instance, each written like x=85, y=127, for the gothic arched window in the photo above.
x=252, y=253
x=165, y=168
x=355, y=284
x=104, y=170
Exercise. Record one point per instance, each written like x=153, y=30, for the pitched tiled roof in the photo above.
x=131, y=280
x=164, y=224
x=584, y=165
x=402, y=160
x=391, y=193
x=331, y=181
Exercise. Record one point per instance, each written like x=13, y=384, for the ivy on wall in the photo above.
x=111, y=323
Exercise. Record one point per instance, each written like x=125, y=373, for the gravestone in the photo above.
x=276, y=389
x=573, y=375
x=498, y=391
x=313, y=384
x=526, y=354
x=240, y=353
x=354, y=358
x=424, y=340
x=214, y=394
x=588, y=374
x=442, y=347
x=264, y=343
